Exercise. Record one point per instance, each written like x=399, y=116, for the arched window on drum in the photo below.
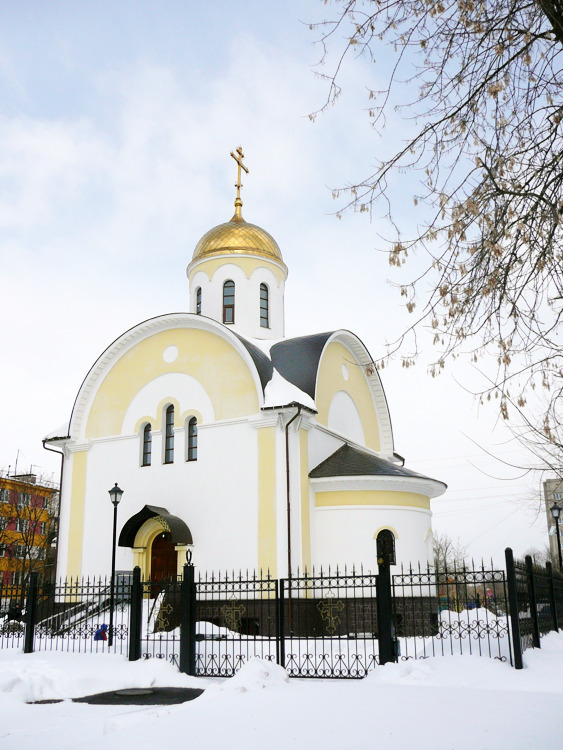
x=264, y=306
x=229, y=302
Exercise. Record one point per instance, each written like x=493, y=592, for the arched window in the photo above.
x=385, y=547
x=192, y=440
x=169, y=436
x=229, y=302
x=198, y=301
x=147, y=445
x=264, y=307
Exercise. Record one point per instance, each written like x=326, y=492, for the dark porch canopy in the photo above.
x=179, y=531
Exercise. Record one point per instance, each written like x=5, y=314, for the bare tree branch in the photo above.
x=487, y=141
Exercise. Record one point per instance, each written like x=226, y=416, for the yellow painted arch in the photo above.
x=210, y=359
x=330, y=381
x=386, y=528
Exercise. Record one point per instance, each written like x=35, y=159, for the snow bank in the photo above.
x=257, y=674
x=453, y=702
x=55, y=675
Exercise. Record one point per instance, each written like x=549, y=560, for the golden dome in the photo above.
x=238, y=237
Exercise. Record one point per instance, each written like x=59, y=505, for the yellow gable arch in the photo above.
x=204, y=355
x=339, y=371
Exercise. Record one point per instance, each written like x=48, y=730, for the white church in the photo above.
x=240, y=447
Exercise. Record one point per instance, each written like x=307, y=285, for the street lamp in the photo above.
x=115, y=494
x=556, y=512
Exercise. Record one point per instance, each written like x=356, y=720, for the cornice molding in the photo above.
x=426, y=487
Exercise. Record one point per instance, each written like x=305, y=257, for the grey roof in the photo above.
x=297, y=360
x=261, y=361
x=351, y=462
x=179, y=531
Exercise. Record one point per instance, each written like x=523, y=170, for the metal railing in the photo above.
x=452, y=611
x=334, y=624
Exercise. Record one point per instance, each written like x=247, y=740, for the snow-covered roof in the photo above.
x=280, y=391
x=60, y=433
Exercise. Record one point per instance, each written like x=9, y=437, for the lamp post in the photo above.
x=115, y=494
x=556, y=512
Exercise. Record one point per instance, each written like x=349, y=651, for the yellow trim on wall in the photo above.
x=248, y=265
x=330, y=381
x=76, y=515
x=139, y=561
x=386, y=528
x=142, y=422
x=204, y=355
x=189, y=413
x=267, y=547
x=370, y=497
x=161, y=412
x=305, y=509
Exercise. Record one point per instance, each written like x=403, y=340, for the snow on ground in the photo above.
x=453, y=702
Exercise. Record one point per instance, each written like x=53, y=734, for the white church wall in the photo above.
x=322, y=444
x=217, y=503
x=346, y=536
x=225, y=502
x=344, y=418
x=108, y=462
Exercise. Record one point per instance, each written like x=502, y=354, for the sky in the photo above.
x=455, y=702
x=116, y=123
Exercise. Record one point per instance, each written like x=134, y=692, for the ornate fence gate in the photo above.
x=328, y=624
x=237, y=618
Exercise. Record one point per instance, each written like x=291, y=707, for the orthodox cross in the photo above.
x=329, y=609
x=232, y=613
x=238, y=157
x=162, y=622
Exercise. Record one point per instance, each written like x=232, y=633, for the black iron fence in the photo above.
x=328, y=624
x=339, y=624
x=237, y=618
x=69, y=616
x=452, y=611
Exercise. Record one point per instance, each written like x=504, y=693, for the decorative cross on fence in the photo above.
x=329, y=609
x=162, y=622
x=232, y=614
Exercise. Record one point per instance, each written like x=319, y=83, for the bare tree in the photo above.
x=487, y=120
x=539, y=556
x=447, y=553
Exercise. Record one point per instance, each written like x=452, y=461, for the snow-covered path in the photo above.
x=447, y=702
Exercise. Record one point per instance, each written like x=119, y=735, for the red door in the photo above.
x=163, y=558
